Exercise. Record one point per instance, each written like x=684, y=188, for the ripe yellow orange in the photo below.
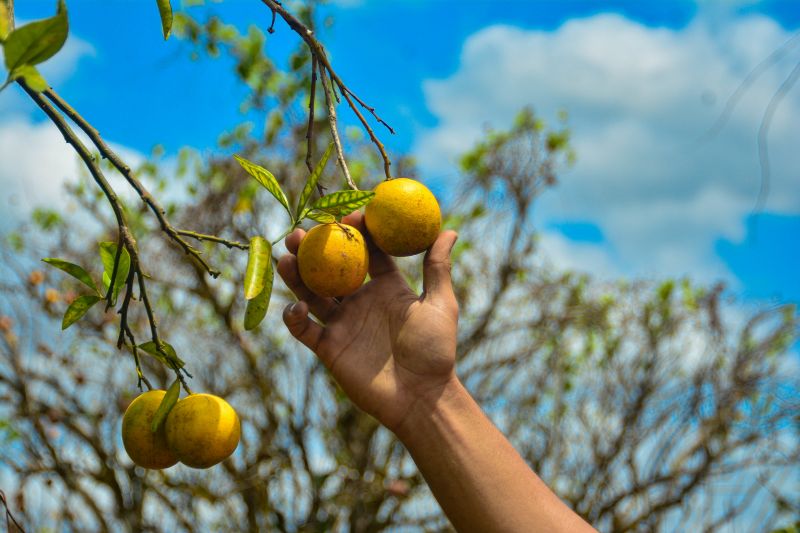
x=145, y=448
x=202, y=430
x=333, y=259
x=403, y=218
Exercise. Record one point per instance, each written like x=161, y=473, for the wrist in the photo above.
x=431, y=409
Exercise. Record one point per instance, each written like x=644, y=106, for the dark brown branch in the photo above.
x=318, y=51
x=127, y=173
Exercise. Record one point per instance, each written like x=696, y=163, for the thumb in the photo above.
x=296, y=318
x=436, y=269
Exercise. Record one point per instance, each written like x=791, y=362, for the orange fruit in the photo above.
x=333, y=259
x=145, y=448
x=202, y=430
x=403, y=218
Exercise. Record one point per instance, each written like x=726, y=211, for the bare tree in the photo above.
x=646, y=406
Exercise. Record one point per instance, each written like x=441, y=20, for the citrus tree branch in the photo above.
x=325, y=68
x=326, y=88
x=107, y=153
x=125, y=238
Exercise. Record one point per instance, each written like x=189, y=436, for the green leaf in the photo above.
x=257, y=307
x=258, y=260
x=108, y=251
x=267, y=180
x=36, y=42
x=31, y=76
x=5, y=21
x=342, y=203
x=167, y=354
x=312, y=181
x=167, y=403
x=165, y=10
x=78, y=308
x=76, y=271
x=318, y=216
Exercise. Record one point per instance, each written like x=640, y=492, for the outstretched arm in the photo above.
x=393, y=353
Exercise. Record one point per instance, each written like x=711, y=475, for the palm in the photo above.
x=384, y=345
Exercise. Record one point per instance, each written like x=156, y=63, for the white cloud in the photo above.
x=37, y=164
x=639, y=99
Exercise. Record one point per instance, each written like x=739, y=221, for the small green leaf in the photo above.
x=31, y=76
x=108, y=252
x=37, y=41
x=166, y=405
x=257, y=261
x=257, y=307
x=312, y=181
x=267, y=180
x=167, y=354
x=342, y=203
x=318, y=216
x=78, y=308
x=76, y=271
x=165, y=10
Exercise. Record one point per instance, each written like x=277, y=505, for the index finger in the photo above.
x=292, y=240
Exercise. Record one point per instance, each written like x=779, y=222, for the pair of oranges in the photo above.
x=403, y=219
x=200, y=431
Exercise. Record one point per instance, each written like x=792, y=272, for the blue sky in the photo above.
x=642, y=82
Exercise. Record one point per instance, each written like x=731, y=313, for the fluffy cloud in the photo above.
x=640, y=101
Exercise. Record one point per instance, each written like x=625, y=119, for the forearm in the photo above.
x=479, y=479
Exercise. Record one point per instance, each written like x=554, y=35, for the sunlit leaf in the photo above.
x=266, y=179
x=166, y=405
x=5, y=23
x=257, y=307
x=311, y=183
x=165, y=10
x=76, y=271
x=78, y=308
x=37, y=41
x=108, y=252
x=258, y=261
x=342, y=203
x=318, y=216
x=31, y=76
x=168, y=356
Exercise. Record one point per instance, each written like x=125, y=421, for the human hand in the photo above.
x=386, y=346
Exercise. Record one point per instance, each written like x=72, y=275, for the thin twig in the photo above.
x=127, y=173
x=763, y=130
x=334, y=128
x=213, y=238
x=179, y=371
x=318, y=51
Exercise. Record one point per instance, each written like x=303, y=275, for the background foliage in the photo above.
x=644, y=404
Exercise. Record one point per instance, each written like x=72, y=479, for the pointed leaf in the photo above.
x=267, y=180
x=37, y=41
x=166, y=357
x=108, y=252
x=78, y=308
x=342, y=203
x=31, y=76
x=167, y=403
x=318, y=216
x=257, y=261
x=257, y=307
x=312, y=181
x=165, y=10
x=76, y=271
